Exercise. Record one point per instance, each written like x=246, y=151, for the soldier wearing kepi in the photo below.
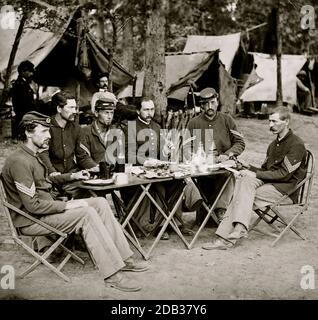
x=99, y=139
x=28, y=187
x=219, y=134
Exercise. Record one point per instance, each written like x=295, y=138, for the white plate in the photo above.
x=99, y=181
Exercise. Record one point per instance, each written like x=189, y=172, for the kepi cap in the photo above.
x=105, y=104
x=36, y=117
x=107, y=97
x=207, y=94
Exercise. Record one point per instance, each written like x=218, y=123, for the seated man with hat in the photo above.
x=28, y=188
x=218, y=134
x=100, y=135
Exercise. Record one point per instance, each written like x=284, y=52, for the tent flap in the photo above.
x=54, y=55
x=266, y=67
x=227, y=44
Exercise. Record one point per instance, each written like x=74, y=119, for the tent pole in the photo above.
x=79, y=37
x=134, y=89
x=193, y=98
x=78, y=91
x=5, y=92
x=279, y=92
x=312, y=92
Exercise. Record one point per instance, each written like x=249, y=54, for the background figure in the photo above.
x=303, y=93
x=102, y=92
x=24, y=94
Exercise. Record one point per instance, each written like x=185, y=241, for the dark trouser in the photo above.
x=210, y=188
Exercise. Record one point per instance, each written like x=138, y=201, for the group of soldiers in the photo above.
x=56, y=152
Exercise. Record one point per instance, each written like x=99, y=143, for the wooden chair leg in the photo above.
x=72, y=254
x=291, y=222
x=45, y=255
x=41, y=260
x=289, y=226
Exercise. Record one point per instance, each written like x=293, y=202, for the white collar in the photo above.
x=143, y=121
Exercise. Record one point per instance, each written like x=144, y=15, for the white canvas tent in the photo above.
x=177, y=66
x=227, y=44
x=266, y=68
x=202, y=69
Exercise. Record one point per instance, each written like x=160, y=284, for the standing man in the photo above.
x=219, y=134
x=303, y=93
x=102, y=91
x=283, y=168
x=28, y=188
x=24, y=95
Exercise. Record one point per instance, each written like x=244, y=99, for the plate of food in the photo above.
x=155, y=163
x=157, y=174
x=98, y=182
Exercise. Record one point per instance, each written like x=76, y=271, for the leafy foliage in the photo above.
x=189, y=17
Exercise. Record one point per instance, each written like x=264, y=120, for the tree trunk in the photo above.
x=155, y=69
x=101, y=24
x=5, y=92
x=111, y=52
x=128, y=44
x=279, y=92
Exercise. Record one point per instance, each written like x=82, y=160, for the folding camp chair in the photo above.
x=271, y=213
x=51, y=232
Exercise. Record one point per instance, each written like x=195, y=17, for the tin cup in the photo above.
x=121, y=178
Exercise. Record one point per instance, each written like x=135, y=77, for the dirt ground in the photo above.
x=252, y=270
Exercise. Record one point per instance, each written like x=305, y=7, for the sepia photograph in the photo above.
x=158, y=150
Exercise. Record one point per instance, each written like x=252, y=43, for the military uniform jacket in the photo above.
x=65, y=148
x=228, y=140
x=284, y=165
x=97, y=149
x=142, y=141
x=28, y=187
x=22, y=97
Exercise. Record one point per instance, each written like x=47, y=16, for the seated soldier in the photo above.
x=283, y=168
x=28, y=188
x=98, y=136
x=219, y=134
x=64, y=154
x=142, y=139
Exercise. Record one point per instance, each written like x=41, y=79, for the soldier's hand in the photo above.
x=222, y=158
x=80, y=175
x=94, y=169
x=249, y=173
x=53, y=174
